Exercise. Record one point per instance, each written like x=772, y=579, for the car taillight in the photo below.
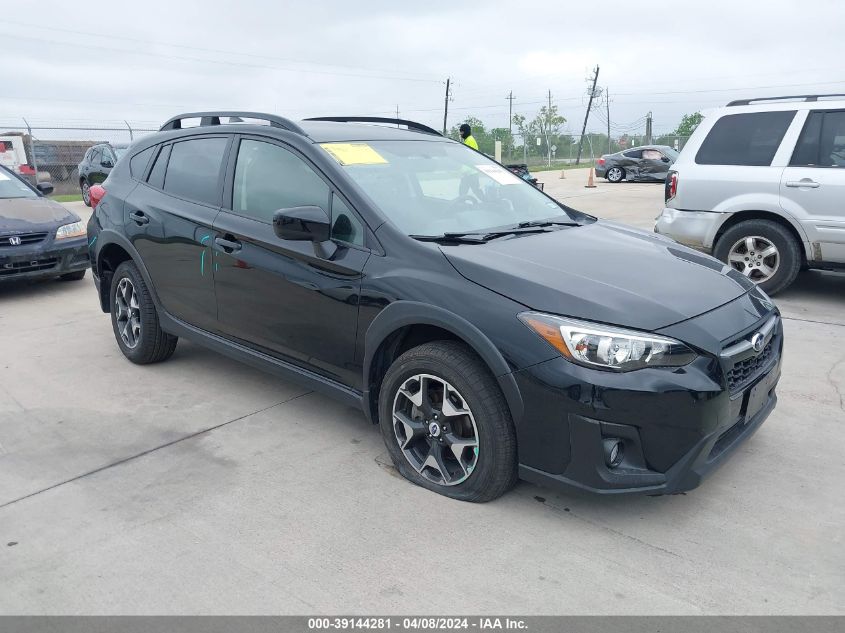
x=671, y=186
x=601, y=161
x=96, y=192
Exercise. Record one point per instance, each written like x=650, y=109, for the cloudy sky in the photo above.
x=63, y=62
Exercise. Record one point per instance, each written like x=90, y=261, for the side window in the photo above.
x=633, y=153
x=193, y=171
x=345, y=226
x=807, y=149
x=95, y=156
x=751, y=138
x=138, y=163
x=108, y=155
x=832, y=143
x=652, y=154
x=269, y=178
x=156, y=178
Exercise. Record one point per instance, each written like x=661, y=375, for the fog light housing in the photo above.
x=614, y=451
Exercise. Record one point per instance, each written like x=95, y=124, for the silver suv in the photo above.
x=761, y=186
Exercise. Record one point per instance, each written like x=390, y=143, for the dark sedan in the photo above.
x=96, y=165
x=38, y=237
x=638, y=164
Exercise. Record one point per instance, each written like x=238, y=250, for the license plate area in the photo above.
x=758, y=395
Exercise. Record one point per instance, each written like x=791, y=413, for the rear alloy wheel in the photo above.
x=446, y=424
x=615, y=174
x=762, y=250
x=86, y=192
x=135, y=320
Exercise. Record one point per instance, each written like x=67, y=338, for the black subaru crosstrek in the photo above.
x=492, y=332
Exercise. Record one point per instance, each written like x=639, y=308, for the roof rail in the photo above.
x=411, y=125
x=739, y=102
x=213, y=118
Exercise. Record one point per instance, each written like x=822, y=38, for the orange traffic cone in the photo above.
x=590, y=184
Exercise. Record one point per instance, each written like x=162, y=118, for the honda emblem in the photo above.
x=14, y=240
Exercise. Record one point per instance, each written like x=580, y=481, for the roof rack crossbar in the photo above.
x=739, y=102
x=411, y=125
x=213, y=118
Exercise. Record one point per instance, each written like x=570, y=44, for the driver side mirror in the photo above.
x=106, y=163
x=45, y=188
x=302, y=223
x=665, y=159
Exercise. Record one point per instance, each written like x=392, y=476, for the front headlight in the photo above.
x=77, y=229
x=606, y=347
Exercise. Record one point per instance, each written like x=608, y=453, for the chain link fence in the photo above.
x=51, y=153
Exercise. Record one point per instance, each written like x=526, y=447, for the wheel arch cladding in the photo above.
x=113, y=250
x=743, y=216
x=406, y=324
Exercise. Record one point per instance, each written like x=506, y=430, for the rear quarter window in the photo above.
x=750, y=138
x=138, y=163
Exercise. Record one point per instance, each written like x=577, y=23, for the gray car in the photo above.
x=646, y=163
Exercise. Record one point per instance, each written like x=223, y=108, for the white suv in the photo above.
x=761, y=185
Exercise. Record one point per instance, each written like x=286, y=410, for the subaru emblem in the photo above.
x=758, y=341
x=14, y=240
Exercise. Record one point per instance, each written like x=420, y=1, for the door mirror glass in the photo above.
x=106, y=163
x=45, y=188
x=302, y=223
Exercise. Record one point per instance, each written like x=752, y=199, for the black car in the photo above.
x=38, y=237
x=96, y=165
x=649, y=163
x=489, y=330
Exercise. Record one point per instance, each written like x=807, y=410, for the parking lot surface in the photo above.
x=201, y=485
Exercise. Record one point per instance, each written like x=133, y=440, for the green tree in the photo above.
x=688, y=124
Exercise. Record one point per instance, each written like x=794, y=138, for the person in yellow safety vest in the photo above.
x=466, y=134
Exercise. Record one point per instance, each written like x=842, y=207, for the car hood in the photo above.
x=604, y=272
x=27, y=214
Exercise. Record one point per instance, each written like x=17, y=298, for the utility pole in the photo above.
x=587, y=115
x=446, y=105
x=510, y=113
x=648, y=129
x=607, y=96
x=549, y=129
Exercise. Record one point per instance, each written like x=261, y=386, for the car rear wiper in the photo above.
x=479, y=237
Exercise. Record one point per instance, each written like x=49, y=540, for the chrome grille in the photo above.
x=25, y=238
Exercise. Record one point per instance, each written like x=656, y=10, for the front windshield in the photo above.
x=11, y=187
x=671, y=153
x=435, y=187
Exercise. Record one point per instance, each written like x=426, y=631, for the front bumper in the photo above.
x=43, y=260
x=676, y=426
x=692, y=228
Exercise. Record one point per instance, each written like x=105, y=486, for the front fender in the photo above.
x=400, y=314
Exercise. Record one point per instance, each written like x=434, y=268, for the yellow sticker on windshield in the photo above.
x=354, y=153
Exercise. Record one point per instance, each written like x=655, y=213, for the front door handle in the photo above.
x=139, y=218
x=228, y=246
x=805, y=182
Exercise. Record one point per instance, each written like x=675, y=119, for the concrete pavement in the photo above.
x=201, y=485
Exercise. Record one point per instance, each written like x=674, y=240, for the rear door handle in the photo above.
x=228, y=246
x=139, y=218
x=810, y=184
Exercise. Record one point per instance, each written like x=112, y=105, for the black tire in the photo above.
x=152, y=345
x=615, y=176
x=85, y=188
x=495, y=468
x=74, y=276
x=789, y=250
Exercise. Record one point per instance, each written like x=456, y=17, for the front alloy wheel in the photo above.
x=755, y=257
x=86, y=193
x=127, y=313
x=435, y=429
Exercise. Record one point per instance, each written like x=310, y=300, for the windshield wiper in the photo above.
x=534, y=223
x=479, y=237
